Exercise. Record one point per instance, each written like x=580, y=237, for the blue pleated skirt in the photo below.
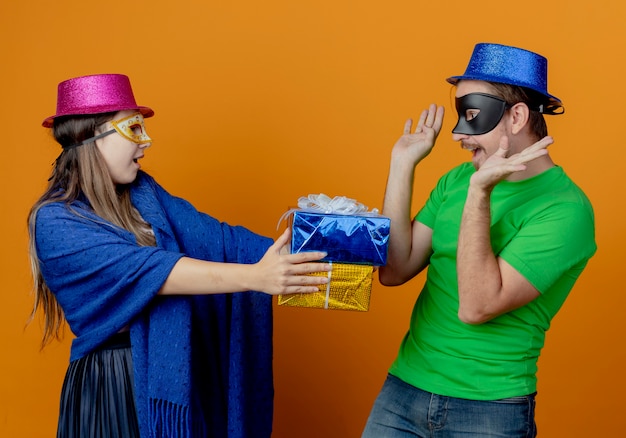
x=97, y=399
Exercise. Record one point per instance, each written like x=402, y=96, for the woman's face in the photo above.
x=121, y=154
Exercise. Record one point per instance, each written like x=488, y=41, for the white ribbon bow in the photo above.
x=324, y=204
x=337, y=205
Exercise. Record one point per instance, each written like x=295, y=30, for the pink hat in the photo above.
x=95, y=94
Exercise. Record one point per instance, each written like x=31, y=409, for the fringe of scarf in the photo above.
x=172, y=420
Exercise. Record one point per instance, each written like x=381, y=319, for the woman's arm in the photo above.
x=274, y=274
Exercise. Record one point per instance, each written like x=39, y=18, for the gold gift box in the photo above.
x=349, y=288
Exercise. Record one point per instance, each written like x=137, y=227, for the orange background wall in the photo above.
x=258, y=103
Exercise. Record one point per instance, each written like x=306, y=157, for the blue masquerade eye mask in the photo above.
x=478, y=113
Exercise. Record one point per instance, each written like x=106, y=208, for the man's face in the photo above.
x=485, y=144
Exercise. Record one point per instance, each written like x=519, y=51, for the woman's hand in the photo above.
x=279, y=272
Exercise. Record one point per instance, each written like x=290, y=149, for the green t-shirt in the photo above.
x=543, y=227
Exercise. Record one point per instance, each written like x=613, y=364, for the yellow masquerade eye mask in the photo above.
x=131, y=128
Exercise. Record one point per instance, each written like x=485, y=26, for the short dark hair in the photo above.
x=513, y=94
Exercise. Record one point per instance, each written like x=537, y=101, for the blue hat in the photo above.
x=509, y=65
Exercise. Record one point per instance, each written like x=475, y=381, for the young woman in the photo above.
x=163, y=347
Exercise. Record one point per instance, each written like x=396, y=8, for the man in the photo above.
x=504, y=239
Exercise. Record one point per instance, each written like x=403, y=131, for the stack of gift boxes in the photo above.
x=355, y=241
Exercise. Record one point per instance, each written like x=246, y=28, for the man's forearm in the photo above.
x=479, y=279
x=397, y=207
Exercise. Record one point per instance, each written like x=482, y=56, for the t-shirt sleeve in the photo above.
x=551, y=244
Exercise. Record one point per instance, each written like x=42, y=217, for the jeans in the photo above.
x=404, y=411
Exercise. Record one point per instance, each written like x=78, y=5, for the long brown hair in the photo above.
x=79, y=172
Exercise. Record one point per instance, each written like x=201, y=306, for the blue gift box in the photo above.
x=358, y=239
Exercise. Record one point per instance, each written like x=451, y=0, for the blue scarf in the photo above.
x=203, y=364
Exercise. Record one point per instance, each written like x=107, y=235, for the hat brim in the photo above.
x=144, y=110
x=454, y=80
